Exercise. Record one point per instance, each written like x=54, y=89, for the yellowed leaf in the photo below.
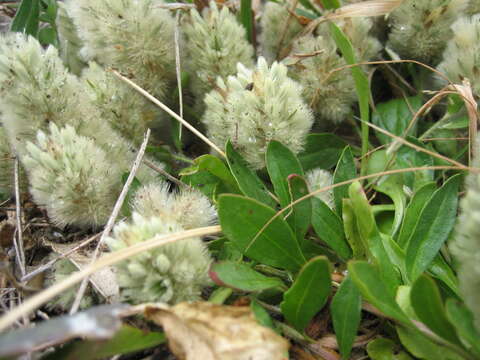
x=207, y=331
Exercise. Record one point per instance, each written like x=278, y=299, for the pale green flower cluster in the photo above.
x=215, y=43
x=70, y=177
x=318, y=179
x=466, y=245
x=330, y=95
x=135, y=37
x=274, y=27
x=461, y=58
x=421, y=28
x=173, y=272
x=255, y=107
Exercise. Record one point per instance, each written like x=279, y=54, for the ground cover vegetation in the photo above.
x=240, y=179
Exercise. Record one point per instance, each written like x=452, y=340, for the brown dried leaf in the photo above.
x=207, y=331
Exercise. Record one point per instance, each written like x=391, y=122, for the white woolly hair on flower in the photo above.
x=62, y=269
x=69, y=41
x=461, y=58
x=255, y=107
x=318, y=179
x=71, y=177
x=331, y=96
x=171, y=273
x=127, y=111
x=273, y=24
x=421, y=28
x=466, y=244
x=215, y=43
x=136, y=37
x=187, y=207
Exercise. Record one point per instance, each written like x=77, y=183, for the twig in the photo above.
x=18, y=243
x=48, y=265
x=169, y=111
x=158, y=169
x=41, y=298
x=112, y=218
x=178, y=70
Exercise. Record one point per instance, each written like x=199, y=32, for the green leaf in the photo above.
x=362, y=85
x=395, y=115
x=248, y=182
x=242, y=219
x=414, y=208
x=359, y=251
x=329, y=228
x=442, y=271
x=281, y=163
x=434, y=225
x=241, y=277
x=423, y=348
x=300, y=216
x=462, y=319
x=346, y=311
x=321, y=151
x=47, y=36
x=345, y=170
x=262, y=316
x=428, y=305
x=331, y=4
x=385, y=349
x=393, y=187
x=308, y=294
x=367, y=278
x=134, y=186
x=308, y=5
x=407, y=157
x=26, y=19
x=127, y=340
x=210, y=175
x=246, y=18
x=220, y=295
x=371, y=237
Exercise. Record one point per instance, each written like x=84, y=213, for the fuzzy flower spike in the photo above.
x=421, y=28
x=216, y=42
x=255, y=107
x=461, y=58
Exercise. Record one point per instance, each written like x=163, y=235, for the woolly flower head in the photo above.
x=127, y=112
x=62, y=269
x=133, y=36
x=70, y=43
x=330, y=95
x=35, y=88
x=255, y=107
x=274, y=23
x=71, y=177
x=466, y=245
x=461, y=58
x=189, y=208
x=421, y=28
x=216, y=42
x=172, y=273
x=473, y=7
x=317, y=179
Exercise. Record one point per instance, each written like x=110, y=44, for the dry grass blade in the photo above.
x=178, y=69
x=18, y=240
x=365, y=9
x=158, y=169
x=113, y=217
x=170, y=112
x=41, y=298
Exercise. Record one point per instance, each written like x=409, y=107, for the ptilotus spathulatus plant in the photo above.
x=215, y=43
x=174, y=272
x=466, y=244
x=318, y=179
x=421, y=28
x=255, y=107
x=39, y=94
x=135, y=37
x=461, y=58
